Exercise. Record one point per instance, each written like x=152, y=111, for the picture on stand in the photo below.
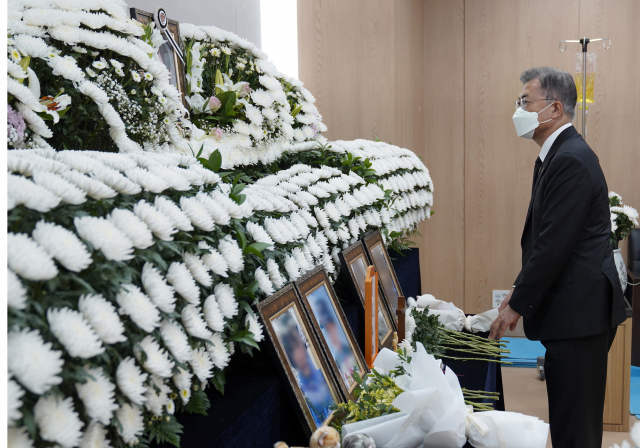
x=387, y=275
x=326, y=313
x=299, y=352
x=166, y=53
x=354, y=261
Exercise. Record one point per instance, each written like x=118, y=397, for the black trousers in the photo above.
x=576, y=376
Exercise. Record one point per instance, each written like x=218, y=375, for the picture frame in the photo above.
x=301, y=356
x=371, y=316
x=332, y=329
x=354, y=260
x=166, y=54
x=388, y=279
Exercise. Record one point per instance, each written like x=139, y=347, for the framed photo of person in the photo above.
x=326, y=315
x=300, y=355
x=355, y=262
x=168, y=52
x=387, y=275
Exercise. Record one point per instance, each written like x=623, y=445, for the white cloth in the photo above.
x=481, y=322
x=546, y=146
x=498, y=429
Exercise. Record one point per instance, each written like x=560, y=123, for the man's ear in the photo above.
x=558, y=109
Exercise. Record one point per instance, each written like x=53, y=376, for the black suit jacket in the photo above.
x=568, y=286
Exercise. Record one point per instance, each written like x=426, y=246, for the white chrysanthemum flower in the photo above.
x=253, y=114
x=201, y=364
x=254, y=327
x=262, y=98
x=232, y=254
x=116, y=180
x=74, y=333
x=308, y=217
x=63, y=245
x=157, y=361
x=158, y=222
x=95, y=436
x=170, y=407
x=103, y=235
x=32, y=361
x=135, y=304
x=93, y=187
x=182, y=381
x=292, y=268
x=331, y=235
x=58, y=421
x=14, y=393
x=301, y=260
x=406, y=345
x=197, y=213
x=314, y=248
x=214, y=260
x=322, y=217
x=132, y=226
x=130, y=380
x=212, y=314
x=176, y=340
x=197, y=268
x=274, y=273
x=157, y=395
x=274, y=229
x=300, y=224
x=131, y=423
x=218, y=351
x=156, y=287
x=226, y=300
x=220, y=207
x=327, y=262
x=28, y=259
x=18, y=438
x=354, y=227
x=97, y=395
x=631, y=213
x=103, y=318
x=16, y=292
x=264, y=282
x=180, y=277
x=179, y=218
x=57, y=185
x=34, y=197
x=194, y=323
x=258, y=234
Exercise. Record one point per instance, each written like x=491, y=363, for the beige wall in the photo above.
x=439, y=77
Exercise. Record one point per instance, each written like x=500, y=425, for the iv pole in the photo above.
x=584, y=42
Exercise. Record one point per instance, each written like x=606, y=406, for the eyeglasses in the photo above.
x=523, y=103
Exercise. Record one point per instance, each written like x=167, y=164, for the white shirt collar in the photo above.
x=546, y=146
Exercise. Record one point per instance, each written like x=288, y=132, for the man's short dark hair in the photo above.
x=555, y=83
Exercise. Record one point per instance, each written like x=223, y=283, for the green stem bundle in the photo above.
x=470, y=395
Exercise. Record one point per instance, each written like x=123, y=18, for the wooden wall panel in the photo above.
x=502, y=39
x=613, y=120
x=345, y=58
x=442, y=249
x=439, y=77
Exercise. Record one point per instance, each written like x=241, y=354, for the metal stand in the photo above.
x=584, y=42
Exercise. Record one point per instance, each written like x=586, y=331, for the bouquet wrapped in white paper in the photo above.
x=453, y=318
x=433, y=413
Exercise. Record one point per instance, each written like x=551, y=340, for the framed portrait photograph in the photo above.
x=371, y=316
x=300, y=354
x=166, y=53
x=388, y=280
x=354, y=261
x=326, y=315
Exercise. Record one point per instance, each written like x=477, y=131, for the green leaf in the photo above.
x=218, y=381
x=199, y=402
x=241, y=236
x=215, y=161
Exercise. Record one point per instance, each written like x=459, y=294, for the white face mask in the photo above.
x=527, y=122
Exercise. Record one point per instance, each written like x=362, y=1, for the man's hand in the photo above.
x=507, y=318
x=505, y=302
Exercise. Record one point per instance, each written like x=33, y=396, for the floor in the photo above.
x=525, y=393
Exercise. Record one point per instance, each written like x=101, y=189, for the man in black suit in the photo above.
x=568, y=291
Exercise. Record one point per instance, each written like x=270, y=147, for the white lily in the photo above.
x=55, y=104
x=229, y=86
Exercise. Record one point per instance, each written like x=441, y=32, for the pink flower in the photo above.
x=214, y=104
x=217, y=134
x=245, y=90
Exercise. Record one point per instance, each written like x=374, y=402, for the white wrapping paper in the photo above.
x=481, y=322
x=451, y=317
x=498, y=429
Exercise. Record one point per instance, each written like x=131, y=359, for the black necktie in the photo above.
x=536, y=171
